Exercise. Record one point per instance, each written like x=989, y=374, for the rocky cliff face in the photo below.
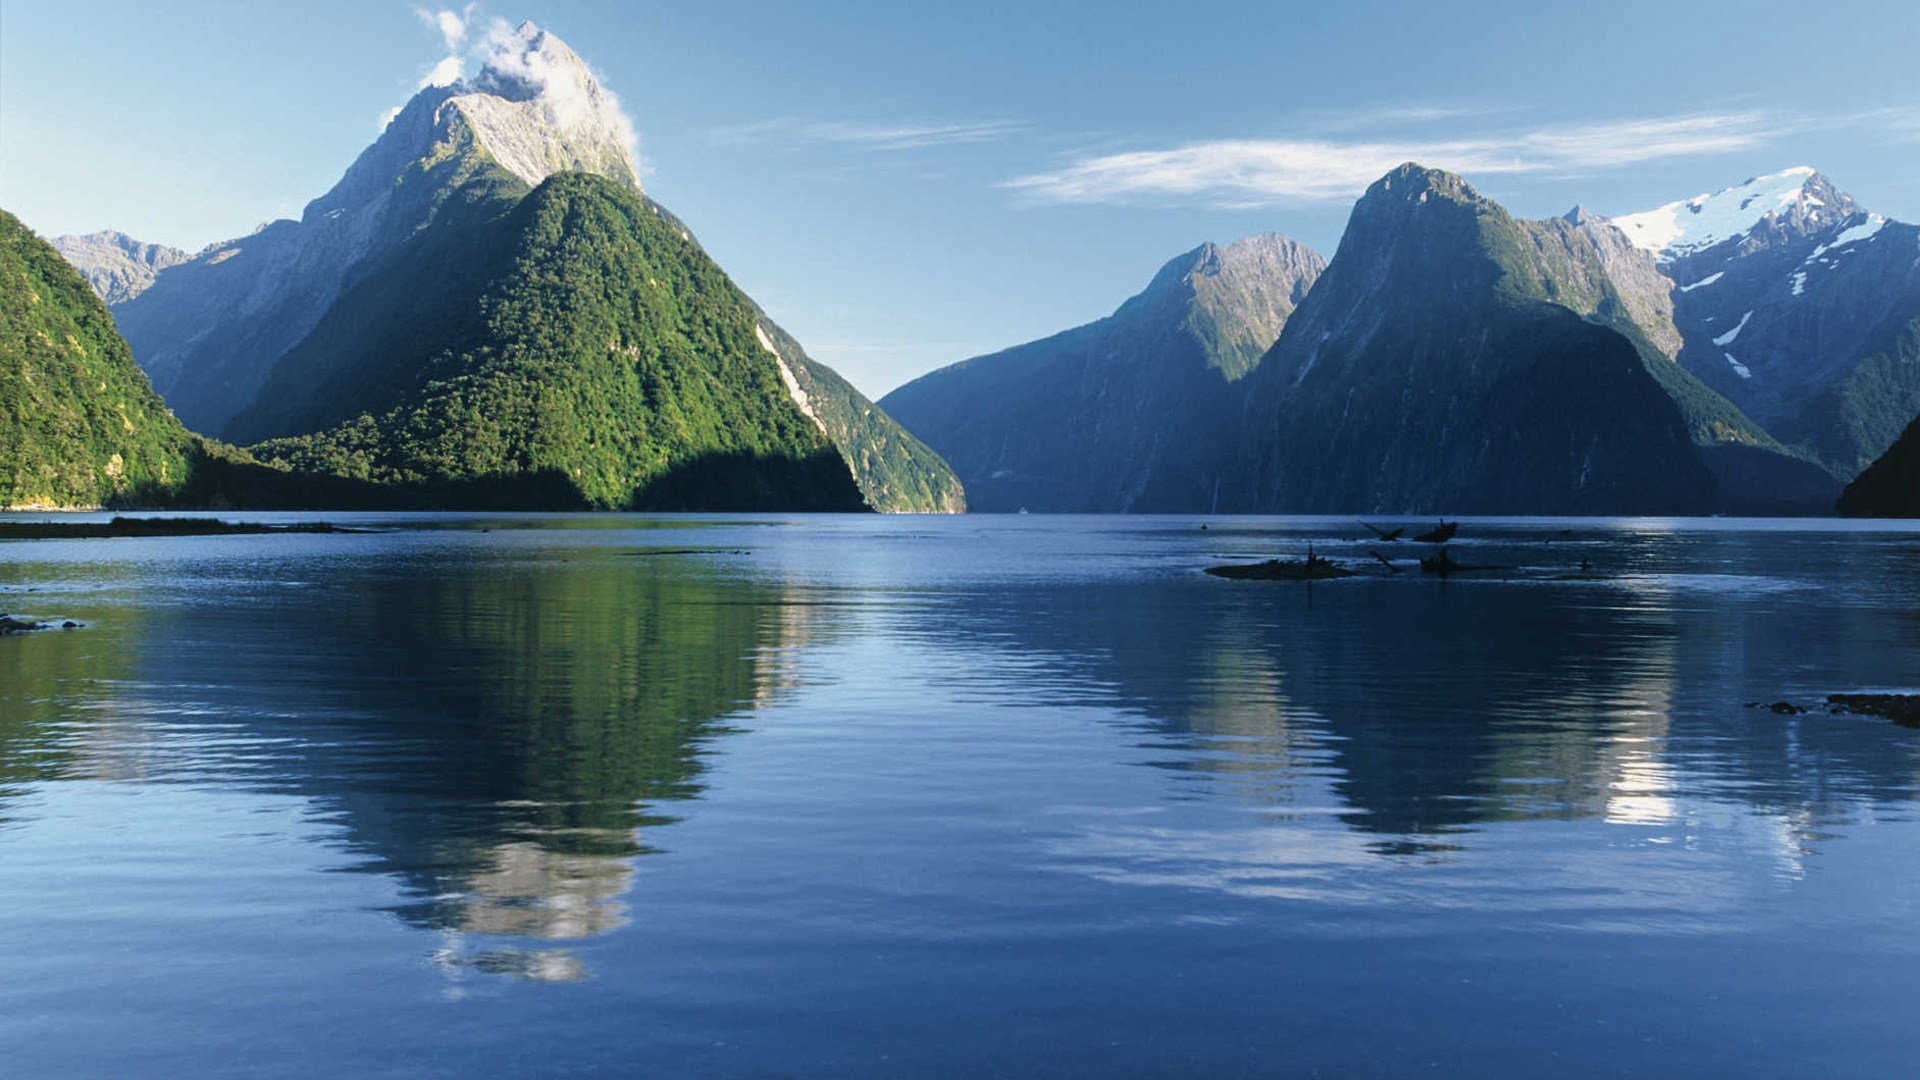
x=1584, y=262
x=209, y=330
x=1125, y=414
x=117, y=266
x=1795, y=303
x=1440, y=365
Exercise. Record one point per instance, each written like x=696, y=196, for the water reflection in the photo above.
x=501, y=739
x=1426, y=713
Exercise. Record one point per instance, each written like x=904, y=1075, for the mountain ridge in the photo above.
x=1114, y=415
x=1426, y=372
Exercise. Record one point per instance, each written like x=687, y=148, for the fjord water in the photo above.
x=863, y=796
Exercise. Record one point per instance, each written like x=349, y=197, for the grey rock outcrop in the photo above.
x=117, y=266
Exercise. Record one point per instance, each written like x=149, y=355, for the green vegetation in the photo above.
x=79, y=425
x=1890, y=487
x=1853, y=421
x=577, y=337
x=897, y=473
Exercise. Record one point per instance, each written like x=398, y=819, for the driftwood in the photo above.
x=1312, y=568
x=1385, y=536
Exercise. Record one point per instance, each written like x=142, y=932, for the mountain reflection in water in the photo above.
x=861, y=796
x=502, y=743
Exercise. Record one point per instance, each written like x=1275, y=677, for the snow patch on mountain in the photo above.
x=1691, y=225
x=1729, y=337
x=1866, y=230
x=1705, y=281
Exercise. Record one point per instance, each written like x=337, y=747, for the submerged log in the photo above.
x=1312, y=568
x=1443, y=564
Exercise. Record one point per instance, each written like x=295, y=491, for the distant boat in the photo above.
x=1440, y=534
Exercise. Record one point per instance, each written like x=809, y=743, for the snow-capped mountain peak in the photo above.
x=1690, y=226
x=538, y=109
x=534, y=106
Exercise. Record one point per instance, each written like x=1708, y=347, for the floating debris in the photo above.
x=1443, y=564
x=1385, y=536
x=1312, y=568
x=1902, y=709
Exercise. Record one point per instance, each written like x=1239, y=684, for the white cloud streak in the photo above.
x=453, y=27
x=879, y=137
x=1249, y=173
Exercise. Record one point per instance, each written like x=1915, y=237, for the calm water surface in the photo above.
x=957, y=797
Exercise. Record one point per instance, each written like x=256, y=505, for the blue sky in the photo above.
x=905, y=185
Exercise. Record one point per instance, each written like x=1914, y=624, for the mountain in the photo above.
x=1437, y=367
x=342, y=337
x=209, y=330
x=1589, y=265
x=569, y=348
x=79, y=425
x=1890, y=487
x=897, y=473
x=117, y=266
x=1122, y=414
x=1799, y=305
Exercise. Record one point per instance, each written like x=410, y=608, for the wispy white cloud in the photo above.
x=453, y=27
x=506, y=61
x=510, y=60
x=1246, y=173
x=867, y=136
x=445, y=73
